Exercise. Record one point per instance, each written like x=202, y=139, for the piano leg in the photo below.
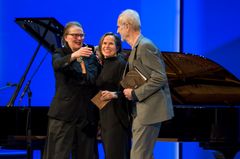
x=221, y=150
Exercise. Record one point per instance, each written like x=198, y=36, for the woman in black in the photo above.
x=72, y=125
x=115, y=124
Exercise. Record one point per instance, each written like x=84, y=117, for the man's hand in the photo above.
x=128, y=93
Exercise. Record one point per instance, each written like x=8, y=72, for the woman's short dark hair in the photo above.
x=117, y=40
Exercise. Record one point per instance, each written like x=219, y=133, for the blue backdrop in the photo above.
x=210, y=28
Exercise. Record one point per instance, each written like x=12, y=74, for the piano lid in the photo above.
x=194, y=79
x=37, y=27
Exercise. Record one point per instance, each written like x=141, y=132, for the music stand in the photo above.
x=48, y=33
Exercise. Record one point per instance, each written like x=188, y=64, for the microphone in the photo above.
x=80, y=59
x=24, y=91
x=10, y=84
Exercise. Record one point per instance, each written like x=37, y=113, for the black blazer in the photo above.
x=73, y=90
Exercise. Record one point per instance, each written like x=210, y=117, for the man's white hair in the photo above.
x=132, y=18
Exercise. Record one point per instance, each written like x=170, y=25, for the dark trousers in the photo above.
x=65, y=138
x=116, y=138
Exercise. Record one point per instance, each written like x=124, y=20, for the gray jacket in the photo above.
x=154, y=99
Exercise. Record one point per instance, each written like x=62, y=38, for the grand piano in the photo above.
x=206, y=100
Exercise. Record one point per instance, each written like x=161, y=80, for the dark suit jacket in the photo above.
x=73, y=89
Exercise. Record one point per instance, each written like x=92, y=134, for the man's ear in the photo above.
x=127, y=26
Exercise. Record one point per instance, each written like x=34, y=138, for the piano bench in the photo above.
x=20, y=143
x=168, y=139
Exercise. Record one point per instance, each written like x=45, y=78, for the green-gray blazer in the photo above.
x=154, y=99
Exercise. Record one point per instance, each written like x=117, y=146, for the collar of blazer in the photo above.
x=136, y=45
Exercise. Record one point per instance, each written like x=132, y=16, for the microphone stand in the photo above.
x=29, y=111
x=27, y=89
x=29, y=126
x=29, y=117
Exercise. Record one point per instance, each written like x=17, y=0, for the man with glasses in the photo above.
x=152, y=100
x=73, y=120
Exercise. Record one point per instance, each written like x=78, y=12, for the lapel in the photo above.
x=133, y=54
x=131, y=57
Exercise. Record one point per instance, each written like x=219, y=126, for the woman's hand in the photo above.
x=82, y=52
x=108, y=95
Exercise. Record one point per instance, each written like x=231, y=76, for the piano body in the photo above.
x=206, y=101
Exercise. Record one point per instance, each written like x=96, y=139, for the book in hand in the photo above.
x=133, y=79
x=98, y=102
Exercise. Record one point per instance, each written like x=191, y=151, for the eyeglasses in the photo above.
x=77, y=35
